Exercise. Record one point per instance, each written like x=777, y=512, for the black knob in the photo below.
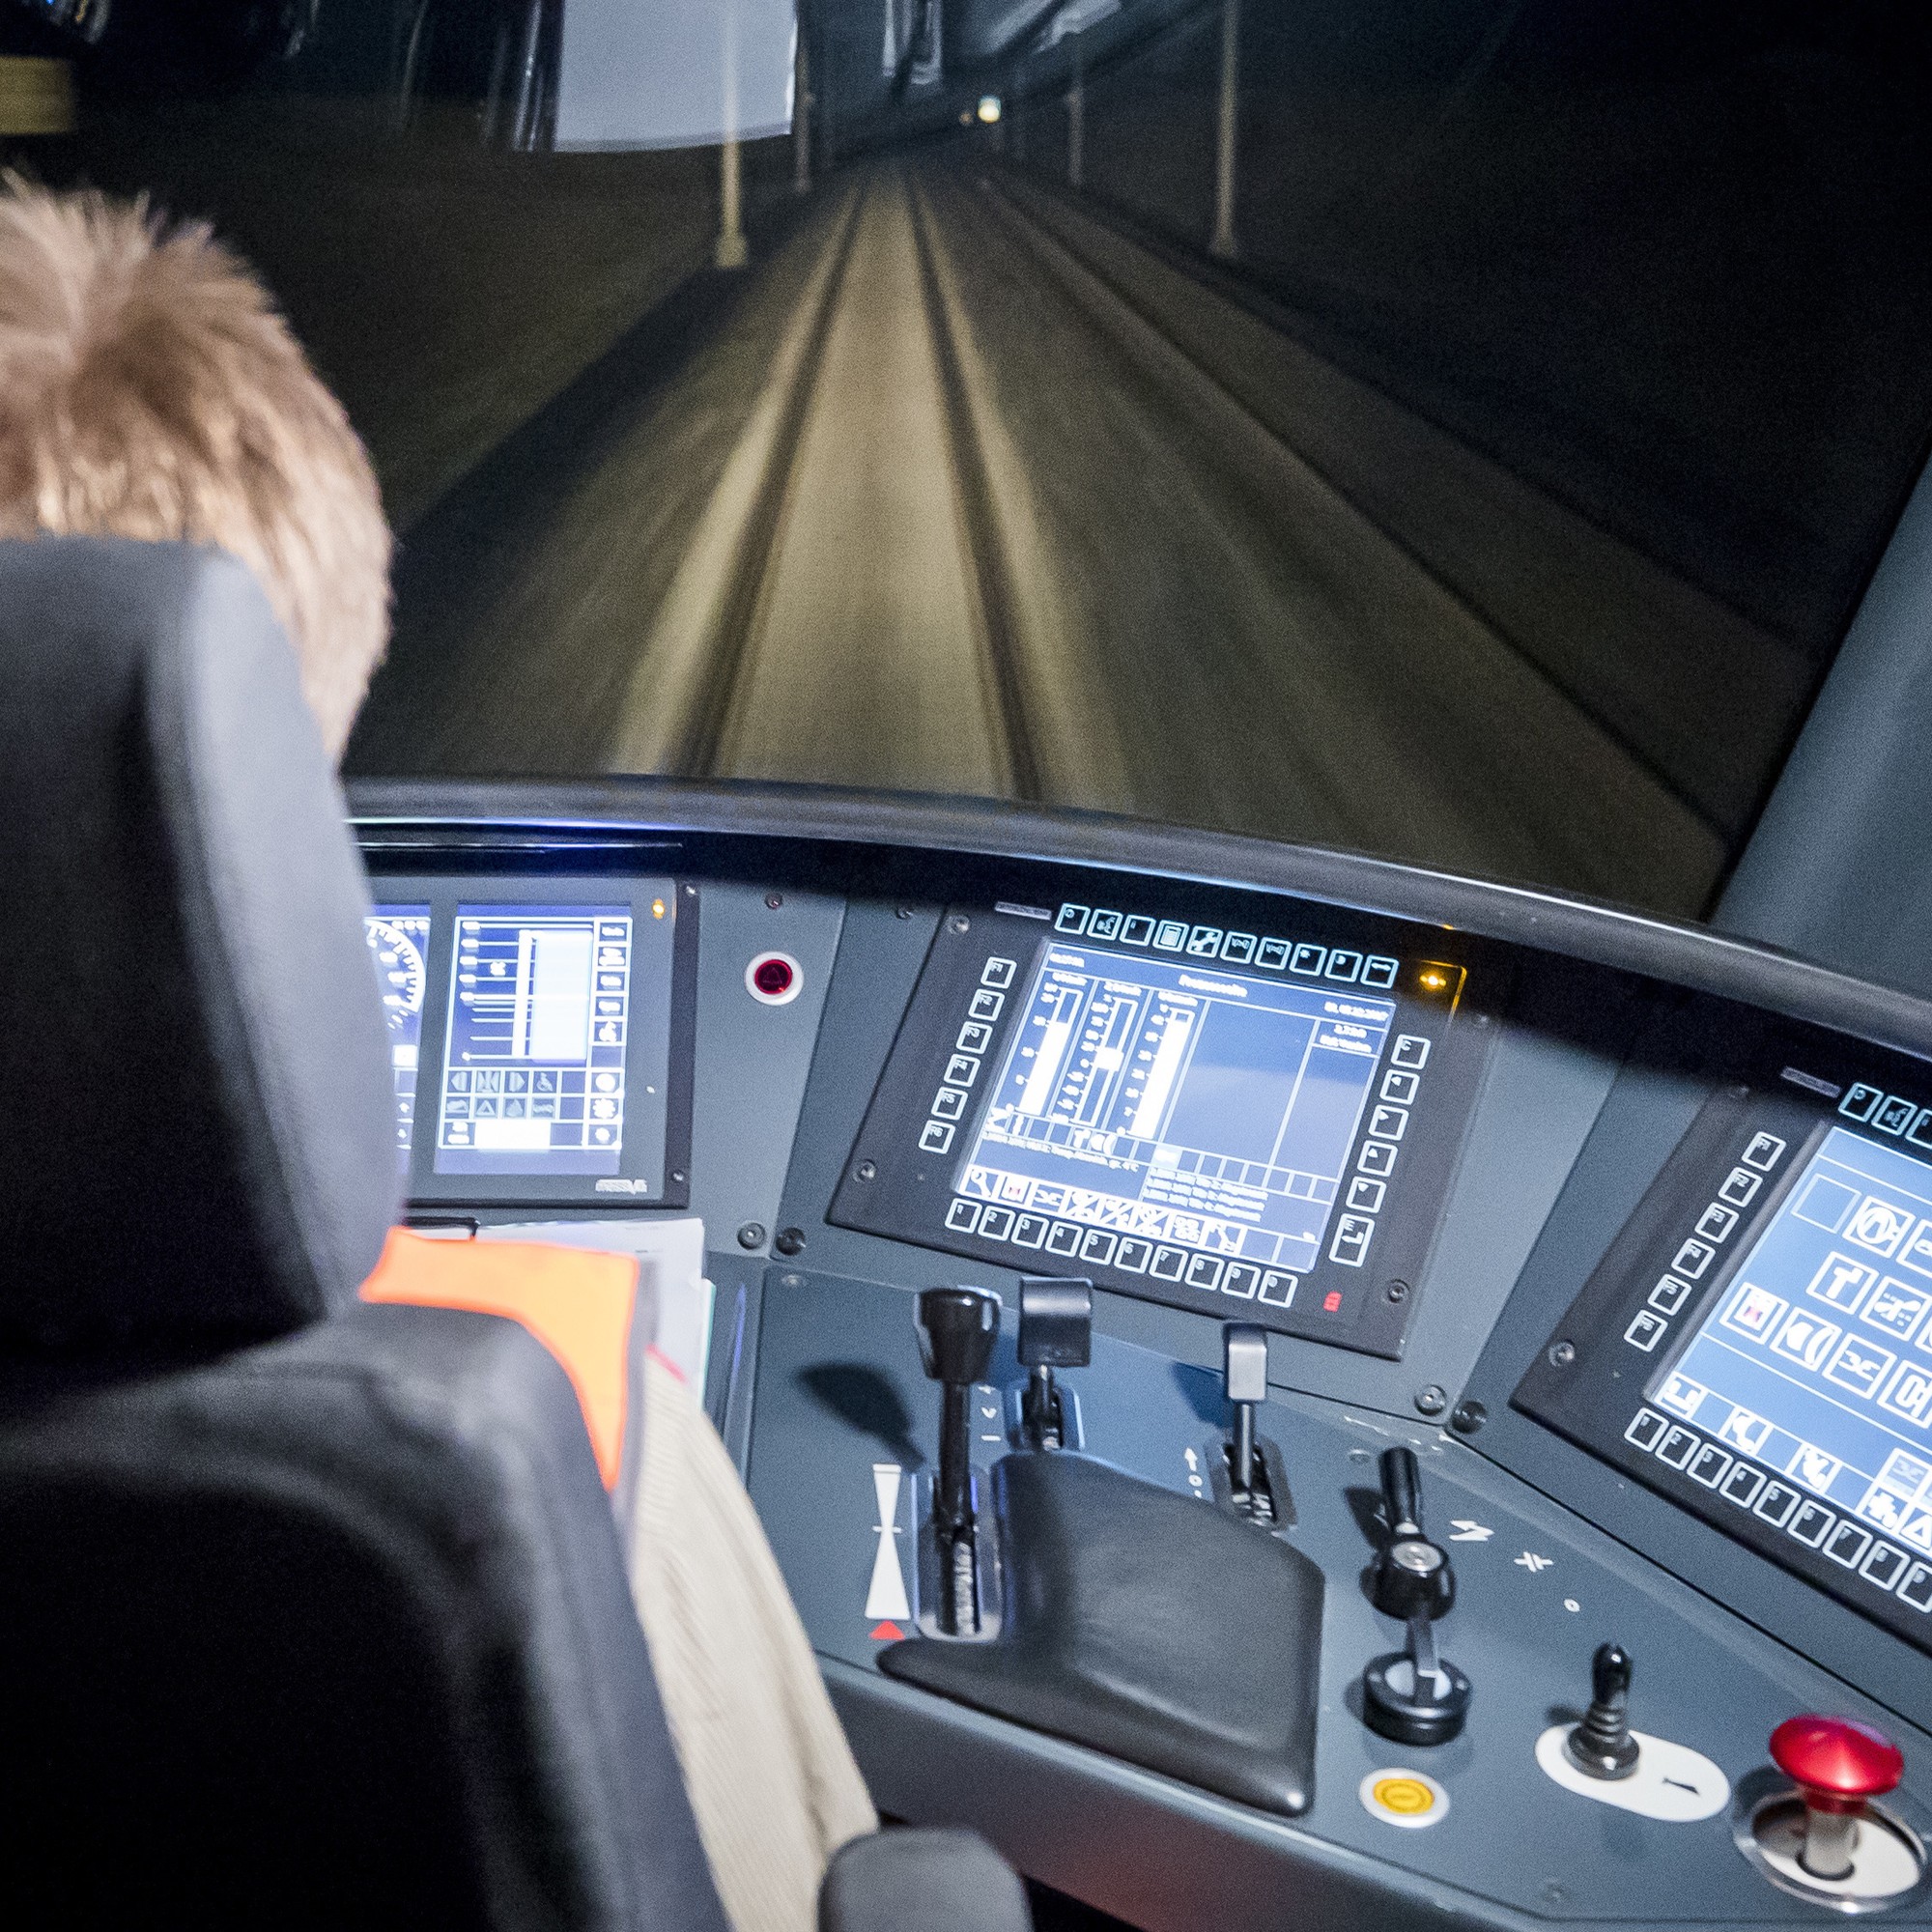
x=956, y=1328
x=1602, y=1745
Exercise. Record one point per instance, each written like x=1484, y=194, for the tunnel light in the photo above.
x=989, y=109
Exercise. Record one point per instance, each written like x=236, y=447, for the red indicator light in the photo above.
x=774, y=979
x=1331, y=1302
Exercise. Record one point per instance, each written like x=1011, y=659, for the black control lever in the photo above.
x=1244, y=1360
x=956, y=1328
x=1412, y=1695
x=1250, y=1479
x=1056, y=1332
x=1602, y=1745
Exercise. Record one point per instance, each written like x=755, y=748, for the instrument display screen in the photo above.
x=1172, y=1102
x=533, y=1068
x=1816, y=1359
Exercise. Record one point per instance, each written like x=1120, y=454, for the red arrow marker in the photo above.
x=886, y=1633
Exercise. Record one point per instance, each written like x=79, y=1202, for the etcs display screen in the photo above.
x=1168, y=1102
x=533, y=1064
x=398, y=937
x=1816, y=1358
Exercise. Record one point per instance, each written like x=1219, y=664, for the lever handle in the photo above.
x=1610, y=1676
x=956, y=1329
x=1402, y=1494
x=1412, y=1575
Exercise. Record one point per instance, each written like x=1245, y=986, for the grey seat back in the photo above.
x=313, y=1611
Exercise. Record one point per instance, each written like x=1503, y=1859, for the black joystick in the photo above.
x=1056, y=1332
x=1412, y=1695
x=956, y=1328
x=1602, y=1745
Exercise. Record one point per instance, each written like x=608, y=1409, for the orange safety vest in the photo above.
x=576, y=1302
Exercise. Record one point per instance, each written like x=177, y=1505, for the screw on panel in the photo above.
x=904, y=912
x=791, y=1280
x=790, y=1241
x=691, y=891
x=677, y=1174
x=751, y=1235
x=1470, y=1416
x=775, y=901
x=1396, y=1291
x=1360, y=1456
x=1433, y=1400
x=959, y=922
x=1562, y=1355
x=866, y=1171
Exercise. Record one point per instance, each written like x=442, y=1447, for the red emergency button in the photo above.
x=1839, y=1762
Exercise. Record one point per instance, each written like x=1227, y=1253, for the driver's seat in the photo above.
x=312, y=1614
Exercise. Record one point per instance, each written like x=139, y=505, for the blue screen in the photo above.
x=1172, y=1103
x=398, y=937
x=533, y=1072
x=1816, y=1359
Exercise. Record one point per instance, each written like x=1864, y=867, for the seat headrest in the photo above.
x=197, y=1135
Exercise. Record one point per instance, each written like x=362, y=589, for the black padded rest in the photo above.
x=903, y=1880
x=331, y=1632
x=1146, y=1624
x=198, y=1130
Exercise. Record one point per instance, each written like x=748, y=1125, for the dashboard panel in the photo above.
x=1638, y=1280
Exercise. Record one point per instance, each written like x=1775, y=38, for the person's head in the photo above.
x=148, y=389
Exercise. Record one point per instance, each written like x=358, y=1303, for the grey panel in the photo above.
x=751, y=1059
x=841, y=1391
x=1837, y=869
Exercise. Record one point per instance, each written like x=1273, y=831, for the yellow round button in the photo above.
x=1411, y=1799
x=1402, y=1794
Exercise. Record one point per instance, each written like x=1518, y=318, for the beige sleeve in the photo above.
x=771, y=1777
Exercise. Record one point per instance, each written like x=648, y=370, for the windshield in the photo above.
x=1458, y=430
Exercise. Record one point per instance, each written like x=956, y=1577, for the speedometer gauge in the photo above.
x=399, y=971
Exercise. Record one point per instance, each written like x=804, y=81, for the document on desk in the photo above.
x=670, y=1265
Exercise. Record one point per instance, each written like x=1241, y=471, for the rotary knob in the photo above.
x=1838, y=1765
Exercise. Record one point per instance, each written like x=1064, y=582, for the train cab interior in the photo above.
x=977, y=583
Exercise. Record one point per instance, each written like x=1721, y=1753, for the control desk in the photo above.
x=1280, y=1383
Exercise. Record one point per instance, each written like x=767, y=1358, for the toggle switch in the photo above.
x=1056, y=1332
x=1602, y=1745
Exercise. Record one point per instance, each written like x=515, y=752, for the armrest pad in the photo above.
x=921, y=1881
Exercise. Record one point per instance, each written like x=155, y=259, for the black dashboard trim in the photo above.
x=553, y=815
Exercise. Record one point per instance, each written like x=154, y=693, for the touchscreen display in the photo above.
x=398, y=937
x=533, y=1064
x=1173, y=1103
x=1817, y=1357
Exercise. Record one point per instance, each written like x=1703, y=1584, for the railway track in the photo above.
x=857, y=395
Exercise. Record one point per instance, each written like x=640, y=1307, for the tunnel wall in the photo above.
x=1673, y=262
